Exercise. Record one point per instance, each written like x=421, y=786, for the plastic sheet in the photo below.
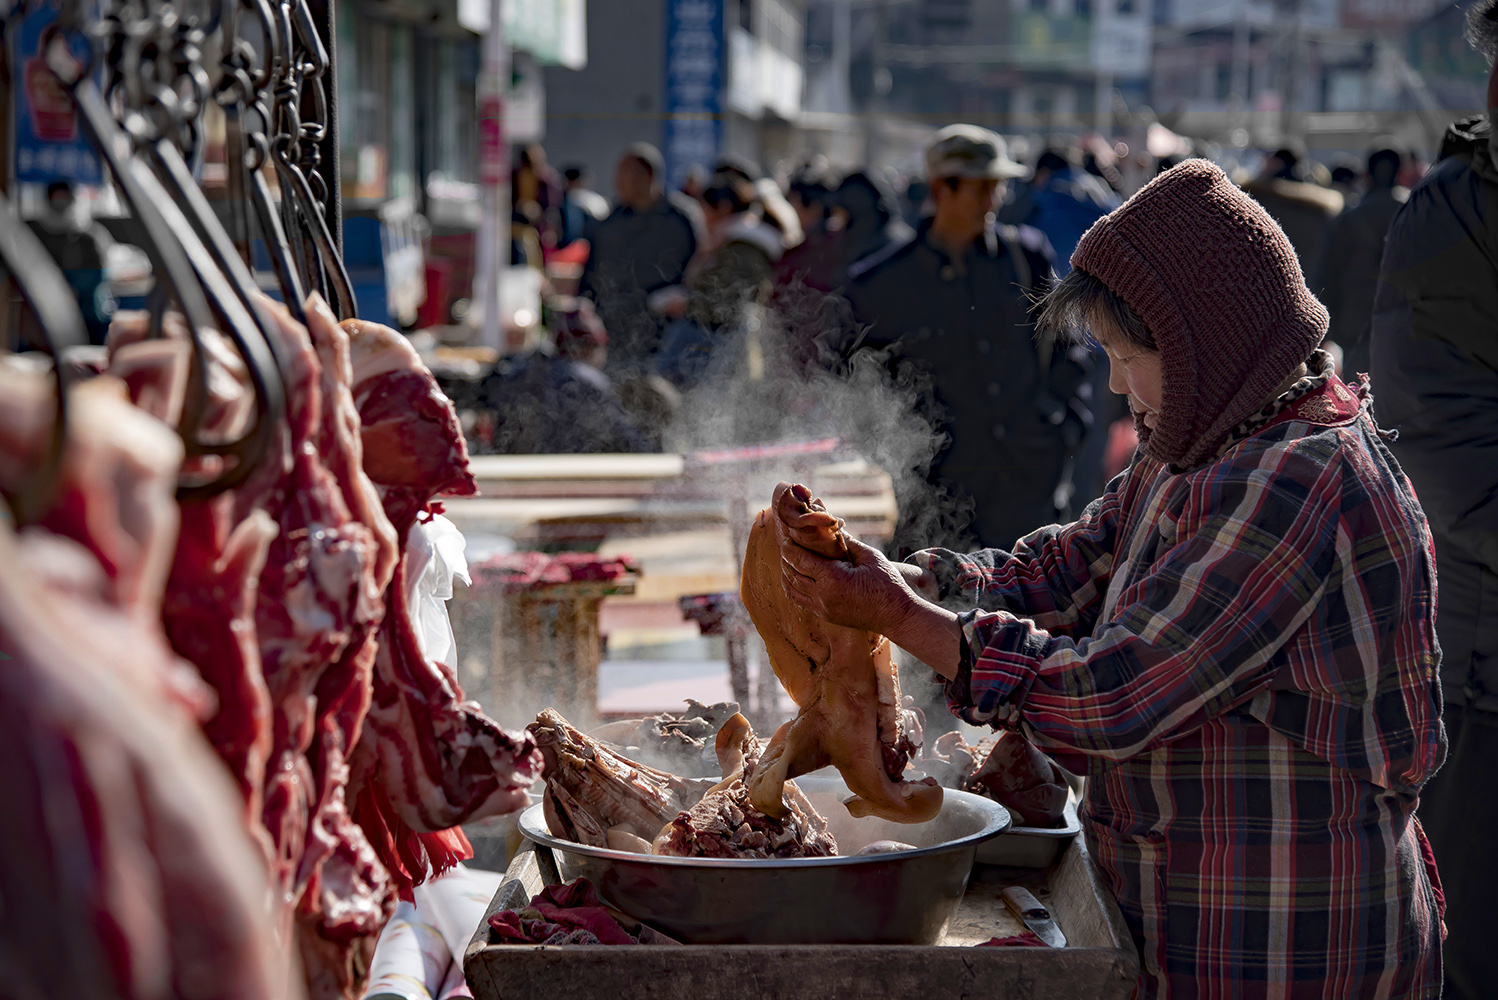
x=420, y=953
x=411, y=959
x=436, y=553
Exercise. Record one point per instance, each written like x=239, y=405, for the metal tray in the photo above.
x=904, y=897
x=1032, y=846
x=1098, y=963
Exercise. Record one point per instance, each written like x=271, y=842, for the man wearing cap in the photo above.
x=1235, y=643
x=952, y=303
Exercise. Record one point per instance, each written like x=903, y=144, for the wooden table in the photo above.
x=1099, y=962
x=546, y=500
x=534, y=648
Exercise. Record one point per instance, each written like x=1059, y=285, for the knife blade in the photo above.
x=1034, y=914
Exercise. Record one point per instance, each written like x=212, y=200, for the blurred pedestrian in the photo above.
x=1347, y=182
x=560, y=401
x=536, y=193
x=1303, y=210
x=1435, y=373
x=868, y=213
x=816, y=260
x=951, y=304
x=79, y=246
x=642, y=247
x=1350, y=259
x=582, y=207
x=778, y=213
x=727, y=282
x=1064, y=201
x=808, y=272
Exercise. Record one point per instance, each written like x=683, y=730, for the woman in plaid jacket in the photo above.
x=1235, y=643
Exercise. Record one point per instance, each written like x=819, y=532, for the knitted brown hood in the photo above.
x=1218, y=285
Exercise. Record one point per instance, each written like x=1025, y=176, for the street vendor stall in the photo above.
x=230, y=742
x=981, y=950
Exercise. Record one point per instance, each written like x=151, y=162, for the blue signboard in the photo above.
x=49, y=144
x=694, y=86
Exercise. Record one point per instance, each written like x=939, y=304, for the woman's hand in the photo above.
x=867, y=591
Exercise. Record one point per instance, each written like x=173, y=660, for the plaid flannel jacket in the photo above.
x=1242, y=658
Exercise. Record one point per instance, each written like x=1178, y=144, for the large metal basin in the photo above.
x=899, y=898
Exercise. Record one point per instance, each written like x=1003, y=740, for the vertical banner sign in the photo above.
x=493, y=166
x=694, y=86
x=49, y=145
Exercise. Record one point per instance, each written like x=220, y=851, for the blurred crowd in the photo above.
x=783, y=279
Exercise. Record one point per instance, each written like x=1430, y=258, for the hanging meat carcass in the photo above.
x=290, y=593
x=843, y=680
x=427, y=759
x=208, y=607
x=138, y=878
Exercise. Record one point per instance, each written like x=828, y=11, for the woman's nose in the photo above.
x=1116, y=380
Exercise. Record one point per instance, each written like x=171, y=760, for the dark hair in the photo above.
x=1081, y=301
x=860, y=192
x=1054, y=160
x=1344, y=173
x=1383, y=166
x=1482, y=28
x=810, y=186
x=1290, y=168
x=648, y=157
x=59, y=187
x=729, y=187
x=574, y=172
x=730, y=164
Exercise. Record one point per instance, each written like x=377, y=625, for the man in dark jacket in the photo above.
x=1354, y=246
x=1435, y=372
x=642, y=247
x=950, y=303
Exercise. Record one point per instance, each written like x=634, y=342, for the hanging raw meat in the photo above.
x=427, y=759
x=208, y=607
x=128, y=869
x=346, y=894
x=843, y=680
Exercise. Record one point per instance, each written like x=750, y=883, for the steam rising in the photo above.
x=782, y=381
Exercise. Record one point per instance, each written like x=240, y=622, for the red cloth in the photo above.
x=555, y=916
x=1025, y=939
x=523, y=570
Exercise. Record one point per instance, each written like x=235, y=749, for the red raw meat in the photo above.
x=312, y=592
x=209, y=604
x=347, y=895
x=129, y=872
x=427, y=759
